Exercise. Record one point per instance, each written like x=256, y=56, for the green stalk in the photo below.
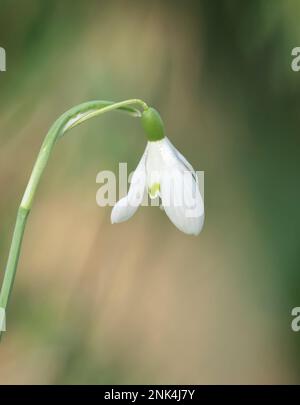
x=64, y=123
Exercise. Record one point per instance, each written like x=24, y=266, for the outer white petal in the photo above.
x=182, y=200
x=181, y=158
x=161, y=154
x=127, y=206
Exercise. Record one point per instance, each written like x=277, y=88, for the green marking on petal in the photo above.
x=154, y=190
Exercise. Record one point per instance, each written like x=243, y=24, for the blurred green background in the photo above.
x=141, y=302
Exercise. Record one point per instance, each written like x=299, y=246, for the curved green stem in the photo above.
x=64, y=123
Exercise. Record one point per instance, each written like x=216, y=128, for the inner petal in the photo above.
x=154, y=190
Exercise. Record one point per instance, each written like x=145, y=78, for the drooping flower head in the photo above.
x=165, y=173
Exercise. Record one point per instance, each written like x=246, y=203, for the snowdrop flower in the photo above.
x=163, y=172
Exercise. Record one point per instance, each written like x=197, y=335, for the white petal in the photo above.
x=182, y=158
x=160, y=157
x=127, y=206
x=182, y=200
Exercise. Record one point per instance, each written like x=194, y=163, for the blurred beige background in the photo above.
x=140, y=302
